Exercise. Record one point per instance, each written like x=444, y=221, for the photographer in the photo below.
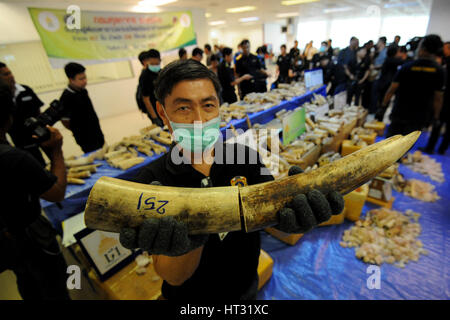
x=27, y=240
x=78, y=112
x=27, y=104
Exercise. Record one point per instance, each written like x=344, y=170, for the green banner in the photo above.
x=293, y=126
x=110, y=36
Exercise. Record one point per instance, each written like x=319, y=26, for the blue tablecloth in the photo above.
x=76, y=195
x=317, y=267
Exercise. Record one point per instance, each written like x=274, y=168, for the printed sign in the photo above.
x=110, y=36
x=293, y=126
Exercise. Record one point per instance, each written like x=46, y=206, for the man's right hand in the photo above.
x=54, y=143
x=162, y=236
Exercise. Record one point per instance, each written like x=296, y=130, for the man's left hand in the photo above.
x=306, y=211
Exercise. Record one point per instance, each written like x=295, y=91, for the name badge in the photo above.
x=222, y=235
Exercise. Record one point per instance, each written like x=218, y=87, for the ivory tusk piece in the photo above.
x=114, y=203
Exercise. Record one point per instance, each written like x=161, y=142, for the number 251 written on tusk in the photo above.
x=149, y=204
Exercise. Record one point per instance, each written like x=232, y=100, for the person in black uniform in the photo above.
x=360, y=69
x=78, y=112
x=27, y=104
x=143, y=59
x=198, y=267
x=445, y=112
x=295, y=51
x=283, y=65
x=296, y=69
x=247, y=63
x=147, y=85
x=227, y=78
x=388, y=71
x=28, y=242
x=418, y=86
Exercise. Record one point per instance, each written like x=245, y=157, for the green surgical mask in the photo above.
x=196, y=137
x=154, y=68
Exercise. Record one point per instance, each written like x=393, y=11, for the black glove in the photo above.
x=379, y=115
x=305, y=212
x=163, y=236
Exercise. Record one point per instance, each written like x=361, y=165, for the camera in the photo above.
x=37, y=125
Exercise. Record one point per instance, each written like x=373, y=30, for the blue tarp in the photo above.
x=317, y=267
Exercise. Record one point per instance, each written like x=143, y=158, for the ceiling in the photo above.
x=267, y=10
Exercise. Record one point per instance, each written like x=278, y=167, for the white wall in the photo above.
x=231, y=36
x=274, y=36
x=439, y=19
x=109, y=98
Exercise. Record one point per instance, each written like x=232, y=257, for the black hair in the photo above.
x=227, y=51
x=432, y=43
x=6, y=102
x=392, y=50
x=260, y=50
x=245, y=42
x=353, y=38
x=181, y=70
x=282, y=46
x=152, y=53
x=2, y=65
x=397, y=36
x=182, y=52
x=207, y=46
x=197, y=51
x=143, y=56
x=72, y=69
x=383, y=39
x=214, y=57
x=325, y=43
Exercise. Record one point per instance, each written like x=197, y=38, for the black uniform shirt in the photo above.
x=284, y=63
x=249, y=64
x=226, y=77
x=84, y=123
x=227, y=268
x=23, y=181
x=388, y=71
x=418, y=80
x=147, y=85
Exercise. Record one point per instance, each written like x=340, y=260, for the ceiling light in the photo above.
x=207, y=15
x=146, y=8
x=249, y=19
x=287, y=15
x=341, y=9
x=216, y=23
x=294, y=2
x=400, y=5
x=241, y=9
x=155, y=3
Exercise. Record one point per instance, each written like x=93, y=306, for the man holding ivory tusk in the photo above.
x=209, y=267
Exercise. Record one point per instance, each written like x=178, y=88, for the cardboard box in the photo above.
x=348, y=147
x=336, y=219
x=354, y=202
x=285, y=237
x=265, y=267
x=380, y=189
x=377, y=126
